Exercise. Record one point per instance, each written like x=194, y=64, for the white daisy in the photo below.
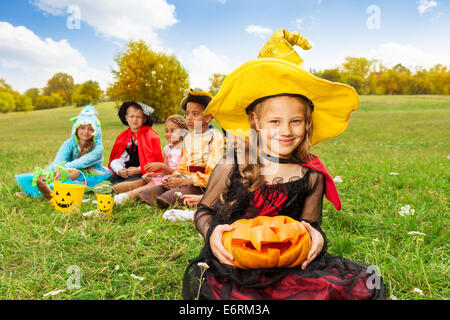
x=406, y=210
x=416, y=232
x=338, y=179
x=418, y=291
x=136, y=277
x=203, y=265
x=53, y=293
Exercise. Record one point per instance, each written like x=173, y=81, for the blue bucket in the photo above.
x=25, y=183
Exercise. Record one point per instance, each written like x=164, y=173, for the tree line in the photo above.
x=60, y=91
x=373, y=78
x=160, y=81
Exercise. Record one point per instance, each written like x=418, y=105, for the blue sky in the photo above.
x=212, y=35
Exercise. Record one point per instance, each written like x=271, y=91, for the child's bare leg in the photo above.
x=128, y=185
x=136, y=192
x=44, y=189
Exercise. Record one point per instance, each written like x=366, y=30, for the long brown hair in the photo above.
x=90, y=144
x=252, y=177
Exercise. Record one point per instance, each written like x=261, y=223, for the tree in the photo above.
x=62, y=84
x=24, y=103
x=356, y=71
x=355, y=81
x=52, y=101
x=33, y=93
x=216, y=81
x=7, y=102
x=360, y=67
x=88, y=92
x=153, y=78
x=4, y=87
x=330, y=74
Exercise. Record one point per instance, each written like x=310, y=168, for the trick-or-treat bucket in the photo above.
x=105, y=203
x=67, y=197
x=25, y=183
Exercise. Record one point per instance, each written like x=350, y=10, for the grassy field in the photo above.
x=408, y=135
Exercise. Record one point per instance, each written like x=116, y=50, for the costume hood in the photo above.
x=88, y=115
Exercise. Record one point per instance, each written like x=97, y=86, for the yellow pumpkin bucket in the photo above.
x=105, y=203
x=67, y=197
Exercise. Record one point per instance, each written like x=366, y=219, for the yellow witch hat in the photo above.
x=278, y=71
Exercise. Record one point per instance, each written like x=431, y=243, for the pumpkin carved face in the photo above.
x=67, y=197
x=267, y=242
x=105, y=203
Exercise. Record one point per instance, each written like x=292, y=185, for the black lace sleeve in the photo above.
x=312, y=210
x=218, y=184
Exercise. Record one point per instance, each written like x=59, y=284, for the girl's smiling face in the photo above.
x=173, y=132
x=281, y=123
x=84, y=132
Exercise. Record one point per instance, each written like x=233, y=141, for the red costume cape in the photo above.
x=330, y=188
x=149, y=146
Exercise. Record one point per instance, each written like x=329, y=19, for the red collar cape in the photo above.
x=330, y=188
x=149, y=146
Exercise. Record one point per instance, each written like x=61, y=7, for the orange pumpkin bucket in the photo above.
x=267, y=242
x=67, y=197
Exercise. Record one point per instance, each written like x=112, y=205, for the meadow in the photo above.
x=394, y=153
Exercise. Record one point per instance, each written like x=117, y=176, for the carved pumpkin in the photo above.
x=67, y=197
x=105, y=203
x=267, y=242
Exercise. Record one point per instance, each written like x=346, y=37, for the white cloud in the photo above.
x=118, y=19
x=259, y=31
x=28, y=61
x=426, y=5
x=201, y=63
x=408, y=55
x=299, y=24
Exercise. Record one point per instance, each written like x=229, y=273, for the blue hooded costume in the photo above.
x=89, y=165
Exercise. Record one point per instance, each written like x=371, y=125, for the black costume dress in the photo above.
x=327, y=277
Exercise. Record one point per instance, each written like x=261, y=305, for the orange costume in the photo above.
x=201, y=153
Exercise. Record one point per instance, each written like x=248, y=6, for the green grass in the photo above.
x=404, y=134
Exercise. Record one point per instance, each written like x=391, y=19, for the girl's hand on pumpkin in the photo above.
x=317, y=243
x=216, y=244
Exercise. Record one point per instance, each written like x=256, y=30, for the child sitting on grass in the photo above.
x=175, y=129
x=135, y=147
x=81, y=154
x=202, y=150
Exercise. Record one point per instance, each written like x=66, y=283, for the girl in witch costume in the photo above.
x=290, y=110
x=135, y=147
